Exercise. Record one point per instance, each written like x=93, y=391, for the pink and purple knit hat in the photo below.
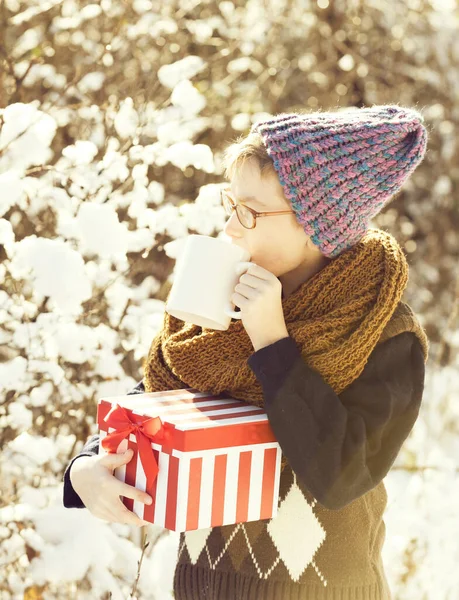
x=338, y=169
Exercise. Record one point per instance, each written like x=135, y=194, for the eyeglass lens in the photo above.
x=244, y=215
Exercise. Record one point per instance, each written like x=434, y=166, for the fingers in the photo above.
x=131, y=518
x=103, y=499
x=124, y=489
x=116, y=460
x=120, y=514
x=121, y=488
x=251, y=280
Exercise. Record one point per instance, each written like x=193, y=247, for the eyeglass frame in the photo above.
x=255, y=213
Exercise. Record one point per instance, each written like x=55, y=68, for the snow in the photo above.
x=38, y=449
x=82, y=152
x=6, y=236
x=66, y=283
x=100, y=231
x=127, y=119
x=28, y=133
x=114, y=164
x=72, y=544
x=12, y=188
x=91, y=82
x=12, y=372
x=187, y=97
x=186, y=68
x=19, y=417
x=183, y=154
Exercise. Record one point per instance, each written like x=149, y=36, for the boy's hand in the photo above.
x=259, y=296
x=93, y=480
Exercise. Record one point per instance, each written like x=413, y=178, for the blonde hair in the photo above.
x=244, y=148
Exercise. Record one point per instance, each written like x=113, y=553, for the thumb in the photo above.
x=117, y=459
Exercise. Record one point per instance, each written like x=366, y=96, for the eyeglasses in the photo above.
x=246, y=215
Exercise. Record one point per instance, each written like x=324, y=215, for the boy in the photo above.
x=324, y=344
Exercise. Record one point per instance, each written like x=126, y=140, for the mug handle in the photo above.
x=240, y=268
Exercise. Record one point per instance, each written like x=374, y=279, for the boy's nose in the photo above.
x=233, y=227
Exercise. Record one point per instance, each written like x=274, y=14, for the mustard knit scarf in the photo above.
x=336, y=318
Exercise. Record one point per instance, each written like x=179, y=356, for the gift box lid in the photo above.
x=190, y=420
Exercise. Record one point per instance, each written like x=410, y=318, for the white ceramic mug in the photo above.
x=207, y=271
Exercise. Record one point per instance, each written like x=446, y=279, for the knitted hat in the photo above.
x=338, y=169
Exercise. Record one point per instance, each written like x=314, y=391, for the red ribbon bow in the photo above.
x=146, y=429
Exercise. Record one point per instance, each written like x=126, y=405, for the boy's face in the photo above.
x=278, y=242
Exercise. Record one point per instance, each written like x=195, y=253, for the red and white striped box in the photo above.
x=211, y=459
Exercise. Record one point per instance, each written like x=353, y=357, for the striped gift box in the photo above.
x=214, y=460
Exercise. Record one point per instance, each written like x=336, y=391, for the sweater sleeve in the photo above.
x=70, y=498
x=341, y=447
